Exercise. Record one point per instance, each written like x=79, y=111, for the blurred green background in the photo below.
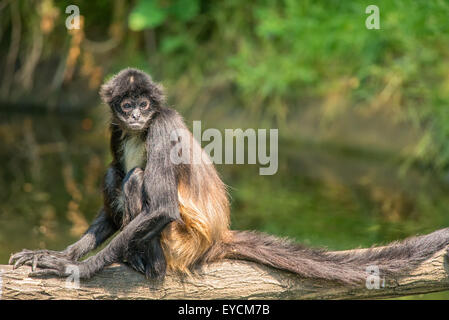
x=363, y=115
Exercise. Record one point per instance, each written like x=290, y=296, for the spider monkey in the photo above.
x=176, y=216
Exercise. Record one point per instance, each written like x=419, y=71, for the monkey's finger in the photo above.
x=46, y=264
x=34, y=264
x=136, y=264
x=21, y=261
x=30, y=254
x=44, y=273
x=18, y=255
x=28, y=260
x=140, y=264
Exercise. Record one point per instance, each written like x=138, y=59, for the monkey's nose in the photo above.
x=135, y=115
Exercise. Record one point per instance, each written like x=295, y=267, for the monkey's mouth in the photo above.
x=136, y=125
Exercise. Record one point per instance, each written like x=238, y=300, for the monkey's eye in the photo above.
x=144, y=105
x=127, y=107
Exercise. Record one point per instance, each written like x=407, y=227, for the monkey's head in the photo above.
x=133, y=97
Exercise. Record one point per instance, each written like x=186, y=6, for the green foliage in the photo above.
x=153, y=13
x=277, y=54
x=147, y=14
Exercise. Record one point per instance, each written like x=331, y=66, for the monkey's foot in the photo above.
x=137, y=263
x=32, y=257
x=154, y=269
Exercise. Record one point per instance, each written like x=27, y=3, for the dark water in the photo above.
x=51, y=167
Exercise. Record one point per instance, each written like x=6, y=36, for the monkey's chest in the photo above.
x=133, y=154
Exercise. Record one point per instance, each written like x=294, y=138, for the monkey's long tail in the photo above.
x=346, y=267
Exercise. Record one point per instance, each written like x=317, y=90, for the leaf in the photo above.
x=172, y=43
x=146, y=14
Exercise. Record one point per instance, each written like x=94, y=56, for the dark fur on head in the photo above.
x=126, y=91
x=119, y=87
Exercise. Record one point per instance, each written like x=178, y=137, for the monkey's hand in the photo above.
x=32, y=257
x=51, y=265
x=132, y=190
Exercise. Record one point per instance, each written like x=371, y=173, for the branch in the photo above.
x=224, y=280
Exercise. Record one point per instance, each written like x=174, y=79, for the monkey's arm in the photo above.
x=142, y=227
x=100, y=230
x=160, y=181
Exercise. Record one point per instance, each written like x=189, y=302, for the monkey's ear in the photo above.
x=106, y=92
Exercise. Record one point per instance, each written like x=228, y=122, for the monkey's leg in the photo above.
x=145, y=226
x=100, y=230
x=146, y=256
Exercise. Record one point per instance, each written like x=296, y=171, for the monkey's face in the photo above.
x=134, y=113
x=134, y=99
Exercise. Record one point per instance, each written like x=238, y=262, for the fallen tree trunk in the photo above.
x=225, y=280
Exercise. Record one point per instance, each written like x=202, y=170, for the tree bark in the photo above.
x=224, y=280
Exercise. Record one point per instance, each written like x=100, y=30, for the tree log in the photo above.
x=224, y=280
